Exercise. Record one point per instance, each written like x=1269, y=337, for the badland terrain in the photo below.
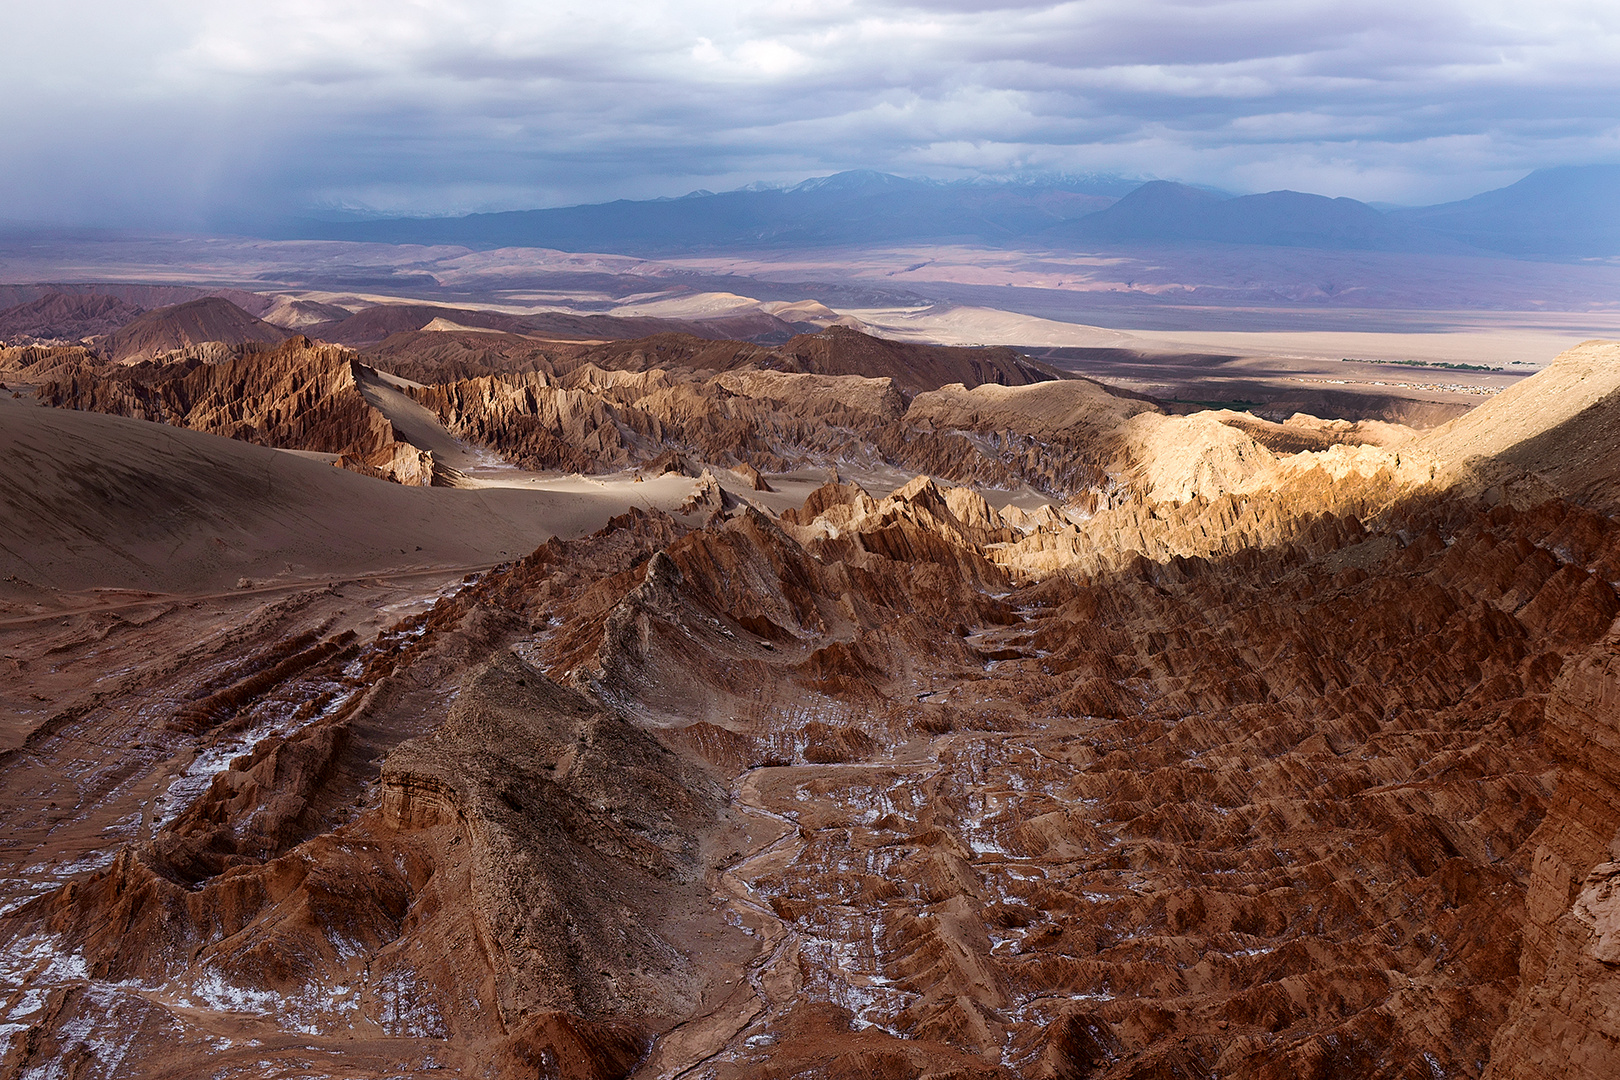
x=691, y=684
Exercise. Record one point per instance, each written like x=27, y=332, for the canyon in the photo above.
x=610, y=700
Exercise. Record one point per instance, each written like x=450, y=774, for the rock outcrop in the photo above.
x=503, y=884
x=1266, y=815
x=35, y=364
x=300, y=396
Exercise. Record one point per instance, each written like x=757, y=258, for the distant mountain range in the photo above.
x=1570, y=212
x=1168, y=213
x=847, y=208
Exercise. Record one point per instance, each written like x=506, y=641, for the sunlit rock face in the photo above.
x=1247, y=761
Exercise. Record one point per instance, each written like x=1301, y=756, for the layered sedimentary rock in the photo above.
x=494, y=883
x=1164, y=827
x=1269, y=815
x=34, y=364
x=838, y=350
x=561, y=410
x=381, y=322
x=1069, y=439
x=733, y=405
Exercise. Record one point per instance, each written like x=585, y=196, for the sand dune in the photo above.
x=98, y=501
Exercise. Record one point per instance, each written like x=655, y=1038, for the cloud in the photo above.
x=169, y=111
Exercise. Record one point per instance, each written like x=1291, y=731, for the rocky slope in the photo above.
x=1565, y=1020
x=1245, y=761
x=837, y=350
x=734, y=404
x=379, y=322
x=30, y=365
x=728, y=404
x=299, y=396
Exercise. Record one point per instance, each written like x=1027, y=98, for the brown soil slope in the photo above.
x=62, y=316
x=192, y=323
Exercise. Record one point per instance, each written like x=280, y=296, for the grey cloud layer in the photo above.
x=179, y=108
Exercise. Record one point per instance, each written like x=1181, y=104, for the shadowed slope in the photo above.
x=192, y=323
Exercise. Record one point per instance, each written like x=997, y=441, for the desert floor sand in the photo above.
x=1521, y=349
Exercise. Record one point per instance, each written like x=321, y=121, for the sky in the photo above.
x=174, y=113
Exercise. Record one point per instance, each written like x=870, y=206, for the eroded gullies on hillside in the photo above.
x=1255, y=783
x=1205, y=789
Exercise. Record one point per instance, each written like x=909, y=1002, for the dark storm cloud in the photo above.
x=173, y=110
